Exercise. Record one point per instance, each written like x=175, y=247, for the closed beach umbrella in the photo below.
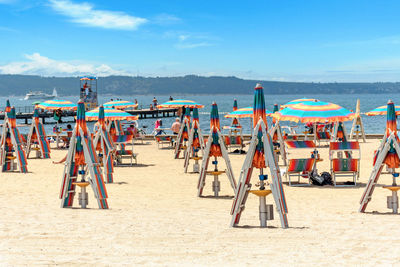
x=185, y=132
x=196, y=114
x=57, y=104
x=259, y=113
x=120, y=104
x=8, y=106
x=382, y=110
x=215, y=149
x=196, y=141
x=276, y=109
x=297, y=101
x=80, y=124
x=246, y=112
x=259, y=105
x=392, y=159
x=180, y=103
x=235, y=105
x=317, y=111
x=110, y=114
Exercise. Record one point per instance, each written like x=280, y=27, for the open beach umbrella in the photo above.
x=246, y=112
x=392, y=159
x=215, y=149
x=382, y=110
x=110, y=114
x=297, y=101
x=57, y=104
x=180, y=103
x=120, y=104
x=314, y=111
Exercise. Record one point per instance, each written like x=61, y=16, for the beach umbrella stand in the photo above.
x=183, y=135
x=215, y=148
x=260, y=155
x=82, y=162
x=11, y=147
x=357, y=128
x=195, y=144
x=387, y=154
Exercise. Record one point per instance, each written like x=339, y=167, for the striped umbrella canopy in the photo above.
x=57, y=104
x=110, y=114
x=259, y=105
x=235, y=105
x=246, y=112
x=382, y=110
x=120, y=104
x=317, y=111
x=180, y=103
x=392, y=159
x=298, y=101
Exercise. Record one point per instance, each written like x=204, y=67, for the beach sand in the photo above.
x=155, y=218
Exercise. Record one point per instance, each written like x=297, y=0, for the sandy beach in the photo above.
x=156, y=219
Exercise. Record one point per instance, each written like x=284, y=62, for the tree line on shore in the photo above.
x=189, y=84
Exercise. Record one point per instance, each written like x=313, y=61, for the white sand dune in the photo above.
x=155, y=218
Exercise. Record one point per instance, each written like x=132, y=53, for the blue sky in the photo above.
x=321, y=41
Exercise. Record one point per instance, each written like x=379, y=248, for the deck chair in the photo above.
x=322, y=136
x=233, y=141
x=164, y=140
x=121, y=142
x=301, y=167
x=344, y=162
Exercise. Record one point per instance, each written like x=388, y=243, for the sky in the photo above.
x=306, y=41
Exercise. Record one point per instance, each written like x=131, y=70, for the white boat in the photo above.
x=39, y=95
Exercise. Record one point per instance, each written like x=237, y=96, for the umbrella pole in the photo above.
x=315, y=132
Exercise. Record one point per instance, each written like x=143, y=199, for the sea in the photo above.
x=372, y=124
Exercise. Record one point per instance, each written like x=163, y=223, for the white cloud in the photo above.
x=85, y=14
x=37, y=64
x=166, y=19
x=183, y=37
x=186, y=45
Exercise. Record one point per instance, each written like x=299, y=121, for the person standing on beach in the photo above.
x=136, y=102
x=170, y=98
x=176, y=126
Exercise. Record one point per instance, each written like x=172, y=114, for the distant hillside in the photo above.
x=190, y=84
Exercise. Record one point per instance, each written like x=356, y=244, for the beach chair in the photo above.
x=162, y=140
x=323, y=136
x=233, y=141
x=344, y=162
x=301, y=167
x=121, y=142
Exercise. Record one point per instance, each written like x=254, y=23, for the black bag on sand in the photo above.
x=324, y=179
